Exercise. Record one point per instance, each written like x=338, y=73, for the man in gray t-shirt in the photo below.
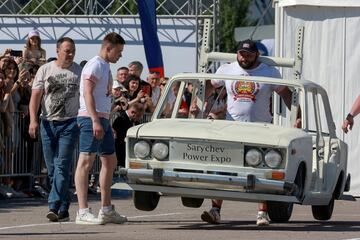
x=60, y=100
x=56, y=88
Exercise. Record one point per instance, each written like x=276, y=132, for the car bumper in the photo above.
x=159, y=180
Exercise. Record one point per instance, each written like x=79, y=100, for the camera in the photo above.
x=121, y=102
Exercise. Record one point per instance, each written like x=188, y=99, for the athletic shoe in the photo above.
x=52, y=215
x=111, y=217
x=212, y=216
x=87, y=218
x=63, y=216
x=262, y=218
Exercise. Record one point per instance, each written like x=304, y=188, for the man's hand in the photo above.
x=348, y=123
x=33, y=129
x=297, y=123
x=98, y=130
x=24, y=75
x=194, y=109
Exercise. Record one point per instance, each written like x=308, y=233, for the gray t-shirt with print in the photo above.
x=60, y=99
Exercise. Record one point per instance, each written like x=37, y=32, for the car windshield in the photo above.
x=239, y=100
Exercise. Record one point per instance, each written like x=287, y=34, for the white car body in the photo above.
x=206, y=158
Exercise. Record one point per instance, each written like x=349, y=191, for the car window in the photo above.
x=202, y=99
x=315, y=102
x=324, y=123
x=170, y=104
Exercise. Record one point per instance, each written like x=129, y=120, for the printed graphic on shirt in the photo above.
x=244, y=91
x=61, y=88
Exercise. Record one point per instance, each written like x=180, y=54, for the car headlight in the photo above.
x=160, y=150
x=253, y=157
x=273, y=158
x=142, y=149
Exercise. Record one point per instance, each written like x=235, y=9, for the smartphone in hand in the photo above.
x=146, y=89
x=25, y=66
x=16, y=53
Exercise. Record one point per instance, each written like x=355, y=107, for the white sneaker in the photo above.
x=111, y=217
x=87, y=218
x=212, y=216
x=262, y=218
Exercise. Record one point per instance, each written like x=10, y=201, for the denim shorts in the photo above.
x=89, y=144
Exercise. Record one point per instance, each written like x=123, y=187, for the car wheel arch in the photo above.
x=300, y=179
x=339, y=185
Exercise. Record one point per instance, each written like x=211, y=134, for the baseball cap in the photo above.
x=33, y=33
x=116, y=85
x=248, y=46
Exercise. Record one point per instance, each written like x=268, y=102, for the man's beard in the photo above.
x=247, y=64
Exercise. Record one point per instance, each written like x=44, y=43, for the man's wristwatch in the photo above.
x=350, y=117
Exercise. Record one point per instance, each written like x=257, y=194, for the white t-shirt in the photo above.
x=97, y=70
x=215, y=105
x=60, y=100
x=247, y=101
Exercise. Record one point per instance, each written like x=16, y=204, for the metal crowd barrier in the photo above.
x=20, y=157
x=23, y=157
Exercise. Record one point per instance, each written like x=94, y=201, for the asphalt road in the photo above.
x=25, y=219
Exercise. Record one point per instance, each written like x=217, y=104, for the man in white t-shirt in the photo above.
x=247, y=102
x=96, y=135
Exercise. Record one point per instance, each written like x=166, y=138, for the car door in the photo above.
x=319, y=139
x=325, y=143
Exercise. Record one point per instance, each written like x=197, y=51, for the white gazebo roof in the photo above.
x=324, y=3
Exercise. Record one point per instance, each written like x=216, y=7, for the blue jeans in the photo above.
x=59, y=141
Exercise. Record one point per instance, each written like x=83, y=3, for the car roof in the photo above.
x=279, y=81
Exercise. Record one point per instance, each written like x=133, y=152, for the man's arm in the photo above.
x=349, y=120
x=286, y=95
x=36, y=95
x=89, y=87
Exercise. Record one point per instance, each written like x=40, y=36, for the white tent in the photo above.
x=331, y=57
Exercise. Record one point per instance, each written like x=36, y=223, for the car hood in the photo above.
x=218, y=130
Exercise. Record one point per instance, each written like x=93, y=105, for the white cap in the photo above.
x=33, y=33
x=116, y=84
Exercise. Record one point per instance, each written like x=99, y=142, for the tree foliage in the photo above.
x=53, y=7
x=128, y=7
x=232, y=15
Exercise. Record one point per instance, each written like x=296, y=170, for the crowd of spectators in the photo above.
x=17, y=71
x=134, y=101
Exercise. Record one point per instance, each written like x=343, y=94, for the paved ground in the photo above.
x=24, y=219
